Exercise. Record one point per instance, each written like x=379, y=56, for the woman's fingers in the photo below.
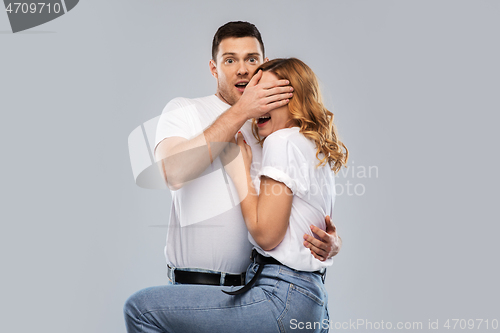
x=240, y=140
x=246, y=151
x=248, y=148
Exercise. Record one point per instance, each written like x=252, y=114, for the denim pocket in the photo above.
x=308, y=294
x=303, y=307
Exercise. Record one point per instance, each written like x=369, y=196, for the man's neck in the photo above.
x=222, y=98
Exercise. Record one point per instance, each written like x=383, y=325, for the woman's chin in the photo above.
x=263, y=133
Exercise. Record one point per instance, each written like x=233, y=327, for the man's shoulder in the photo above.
x=191, y=101
x=180, y=102
x=184, y=102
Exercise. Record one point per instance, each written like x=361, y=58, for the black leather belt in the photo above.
x=189, y=277
x=262, y=261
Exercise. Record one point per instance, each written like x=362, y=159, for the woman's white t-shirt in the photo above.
x=290, y=158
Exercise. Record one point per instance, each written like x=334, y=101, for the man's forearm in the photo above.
x=185, y=160
x=224, y=129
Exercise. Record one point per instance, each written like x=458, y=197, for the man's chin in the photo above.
x=237, y=96
x=231, y=100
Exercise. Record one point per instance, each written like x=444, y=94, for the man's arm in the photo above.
x=183, y=160
x=329, y=243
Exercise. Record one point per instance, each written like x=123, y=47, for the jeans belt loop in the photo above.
x=171, y=273
x=222, y=278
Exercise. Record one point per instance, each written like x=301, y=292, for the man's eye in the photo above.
x=229, y=61
x=252, y=60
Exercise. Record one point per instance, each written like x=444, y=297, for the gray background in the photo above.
x=414, y=86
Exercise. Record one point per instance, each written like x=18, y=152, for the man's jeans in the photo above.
x=282, y=300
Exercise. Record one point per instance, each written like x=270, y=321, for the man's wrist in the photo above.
x=237, y=114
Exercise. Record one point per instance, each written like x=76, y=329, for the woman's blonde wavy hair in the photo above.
x=308, y=112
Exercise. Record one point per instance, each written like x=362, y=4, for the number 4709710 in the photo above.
x=32, y=8
x=471, y=324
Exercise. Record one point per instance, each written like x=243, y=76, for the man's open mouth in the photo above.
x=241, y=85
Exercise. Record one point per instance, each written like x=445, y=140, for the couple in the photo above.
x=283, y=187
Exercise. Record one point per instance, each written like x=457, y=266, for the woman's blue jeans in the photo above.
x=282, y=300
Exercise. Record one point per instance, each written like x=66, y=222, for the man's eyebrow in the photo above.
x=254, y=54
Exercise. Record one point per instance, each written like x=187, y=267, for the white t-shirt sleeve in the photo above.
x=283, y=162
x=175, y=120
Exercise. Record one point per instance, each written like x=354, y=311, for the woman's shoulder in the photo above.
x=289, y=135
x=282, y=134
x=289, y=141
x=292, y=137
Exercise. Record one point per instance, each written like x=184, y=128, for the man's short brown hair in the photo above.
x=236, y=29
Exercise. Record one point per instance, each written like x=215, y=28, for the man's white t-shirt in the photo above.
x=290, y=158
x=206, y=228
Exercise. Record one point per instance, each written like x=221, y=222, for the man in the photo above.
x=207, y=241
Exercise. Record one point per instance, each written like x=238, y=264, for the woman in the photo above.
x=285, y=289
x=301, y=152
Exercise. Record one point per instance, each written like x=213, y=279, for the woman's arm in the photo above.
x=266, y=215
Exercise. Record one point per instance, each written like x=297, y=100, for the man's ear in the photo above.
x=266, y=59
x=213, y=68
